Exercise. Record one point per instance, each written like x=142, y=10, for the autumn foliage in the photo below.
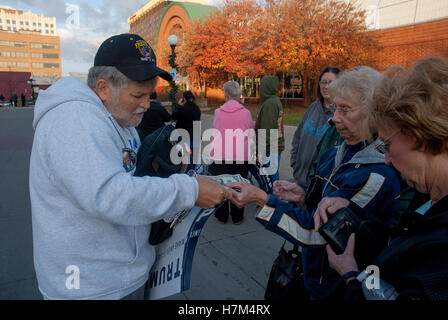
x=253, y=38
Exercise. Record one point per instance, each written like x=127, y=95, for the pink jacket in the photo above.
x=232, y=115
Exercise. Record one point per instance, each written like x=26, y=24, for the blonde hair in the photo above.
x=416, y=102
x=358, y=85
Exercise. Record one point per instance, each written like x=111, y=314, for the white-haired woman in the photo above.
x=354, y=172
x=233, y=122
x=411, y=113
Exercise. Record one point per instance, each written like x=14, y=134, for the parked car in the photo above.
x=5, y=104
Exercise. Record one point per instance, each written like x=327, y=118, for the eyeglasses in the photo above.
x=325, y=83
x=384, y=146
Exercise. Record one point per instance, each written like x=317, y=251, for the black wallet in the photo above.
x=338, y=229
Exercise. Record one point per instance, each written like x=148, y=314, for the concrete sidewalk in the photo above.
x=231, y=261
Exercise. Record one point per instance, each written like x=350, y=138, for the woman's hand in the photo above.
x=328, y=206
x=290, y=191
x=210, y=193
x=345, y=262
x=244, y=194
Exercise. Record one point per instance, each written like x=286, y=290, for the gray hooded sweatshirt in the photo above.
x=306, y=138
x=91, y=218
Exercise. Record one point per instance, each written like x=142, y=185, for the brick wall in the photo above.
x=403, y=45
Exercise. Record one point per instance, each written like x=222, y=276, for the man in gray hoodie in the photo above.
x=91, y=217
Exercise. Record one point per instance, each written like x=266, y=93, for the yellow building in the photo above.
x=28, y=50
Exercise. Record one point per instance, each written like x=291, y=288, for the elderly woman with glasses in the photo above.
x=411, y=113
x=354, y=172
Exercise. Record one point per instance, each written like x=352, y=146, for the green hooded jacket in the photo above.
x=270, y=115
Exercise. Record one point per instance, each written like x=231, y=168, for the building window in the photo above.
x=44, y=45
x=34, y=23
x=51, y=65
x=51, y=25
x=9, y=28
x=46, y=31
x=21, y=23
x=50, y=55
x=52, y=32
x=39, y=24
x=27, y=23
x=8, y=21
x=15, y=29
x=13, y=21
x=14, y=64
x=12, y=44
x=46, y=25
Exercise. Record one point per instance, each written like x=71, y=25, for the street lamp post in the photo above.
x=172, y=40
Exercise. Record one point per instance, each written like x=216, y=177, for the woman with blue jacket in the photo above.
x=354, y=171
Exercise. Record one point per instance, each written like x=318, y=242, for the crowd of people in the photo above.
x=365, y=136
x=14, y=100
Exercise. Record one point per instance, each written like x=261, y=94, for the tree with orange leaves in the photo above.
x=219, y=47
x=312, y=34
x=252, y=38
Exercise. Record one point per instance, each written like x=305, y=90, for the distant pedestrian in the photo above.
x=270, y=116
x=154, y=118
x=22, y=97
x=231, y=116
x=2, y=97
x=14, y=99
x=186, y=112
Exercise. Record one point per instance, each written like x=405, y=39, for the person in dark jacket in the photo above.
x=22, y=97
x=312, y=128
x=354, y=172
x=154, y=118
x=270, y=117
x=14, y=99
x=185, y=113
x=411, y=114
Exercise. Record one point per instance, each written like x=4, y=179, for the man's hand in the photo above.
x=290, y=191
x=210, y=193
x=247, y=194
x=345, y=262
x=328, y=206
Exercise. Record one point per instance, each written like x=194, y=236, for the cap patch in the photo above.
x=145, y=50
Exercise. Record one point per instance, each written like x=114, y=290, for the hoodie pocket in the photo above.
x=135, y=248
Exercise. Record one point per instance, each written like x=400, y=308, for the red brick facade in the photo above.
x=404, y=45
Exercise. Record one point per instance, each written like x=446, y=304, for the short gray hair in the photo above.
x=232, y=90
x=358, y=85
x=111, y=74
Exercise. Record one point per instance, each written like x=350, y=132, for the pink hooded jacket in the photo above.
x=231, y=116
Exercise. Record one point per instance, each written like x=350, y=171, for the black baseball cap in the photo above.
x=132, y=56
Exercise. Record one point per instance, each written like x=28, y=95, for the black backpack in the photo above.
x=153, y=159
